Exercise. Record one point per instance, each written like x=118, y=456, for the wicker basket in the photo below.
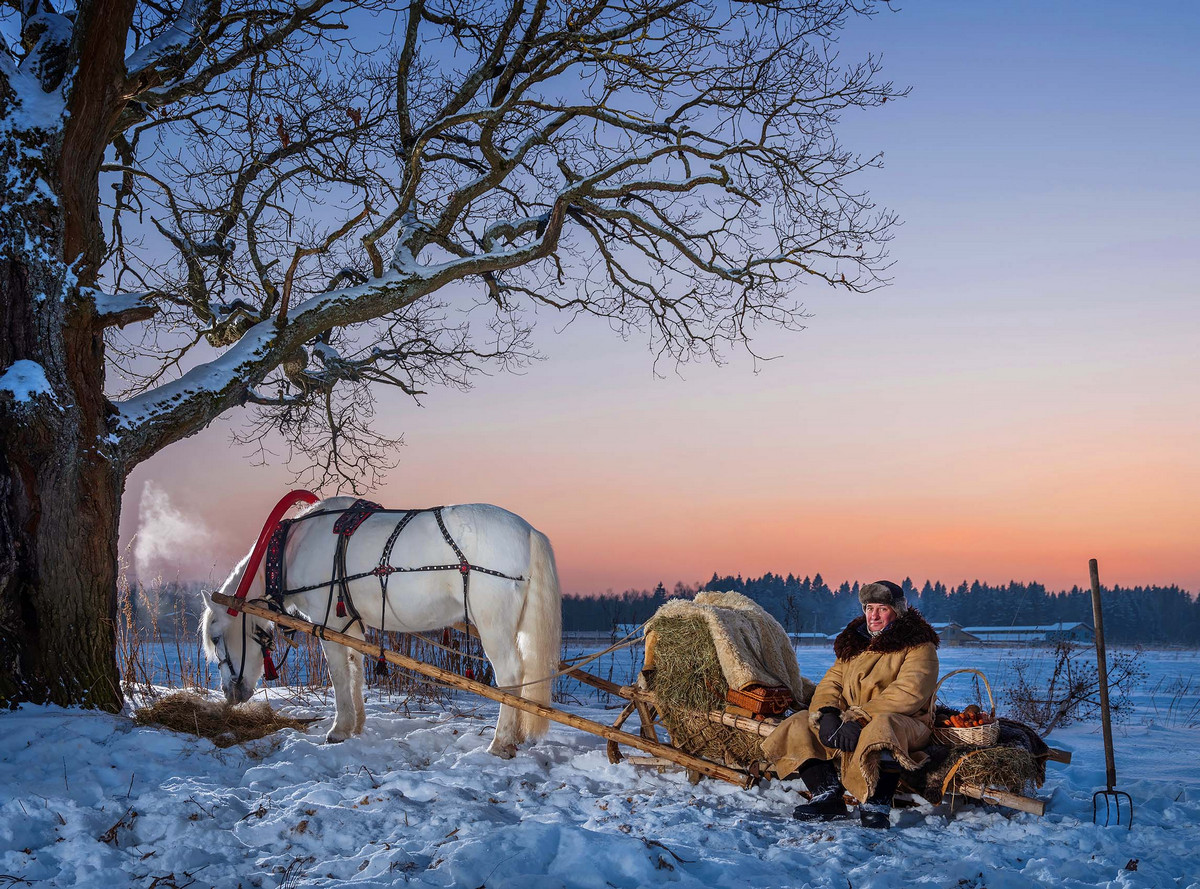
x=972, y=735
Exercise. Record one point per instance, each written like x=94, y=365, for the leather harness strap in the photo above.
x=349, y=520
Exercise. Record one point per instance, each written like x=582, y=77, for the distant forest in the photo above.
x=1147, y=615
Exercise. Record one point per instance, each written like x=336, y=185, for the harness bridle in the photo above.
x=266, y=641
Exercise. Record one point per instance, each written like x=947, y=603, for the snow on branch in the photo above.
x=178, y=35
x=120, y=309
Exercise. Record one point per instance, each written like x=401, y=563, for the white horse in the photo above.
x=518, y=615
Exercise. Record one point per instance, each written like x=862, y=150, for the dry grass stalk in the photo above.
x=1008, y=768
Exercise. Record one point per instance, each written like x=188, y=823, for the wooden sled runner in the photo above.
x=642, y=701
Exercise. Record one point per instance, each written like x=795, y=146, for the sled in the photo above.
x=655, y=753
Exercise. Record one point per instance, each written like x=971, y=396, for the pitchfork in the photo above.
x=1112, y=798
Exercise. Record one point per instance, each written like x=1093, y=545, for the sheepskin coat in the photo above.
x=886, y=682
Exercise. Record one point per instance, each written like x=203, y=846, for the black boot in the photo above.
x=876, y=811
x=827, y=803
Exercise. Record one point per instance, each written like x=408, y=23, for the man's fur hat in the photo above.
x=883, y=592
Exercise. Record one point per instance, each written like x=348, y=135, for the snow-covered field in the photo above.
x=88, y=799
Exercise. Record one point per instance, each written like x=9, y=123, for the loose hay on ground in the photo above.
x=222, y=723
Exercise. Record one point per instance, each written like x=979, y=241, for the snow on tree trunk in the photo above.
x=60, y=487
x=59, y=491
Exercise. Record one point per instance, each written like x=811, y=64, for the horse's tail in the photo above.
x=539, y=632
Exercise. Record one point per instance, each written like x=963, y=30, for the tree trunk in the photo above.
x=60, y=495
x=58, y=592
x=61, y=475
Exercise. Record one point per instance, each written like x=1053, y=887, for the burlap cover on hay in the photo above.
x=689, y=679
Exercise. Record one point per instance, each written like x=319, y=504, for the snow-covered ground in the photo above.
x=88, y=799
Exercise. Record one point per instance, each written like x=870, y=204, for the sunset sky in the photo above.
x=1022, y=398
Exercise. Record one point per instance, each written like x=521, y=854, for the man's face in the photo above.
x=879, y=617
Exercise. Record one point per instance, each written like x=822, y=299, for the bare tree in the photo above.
x=278, y=204
x=1069, y=691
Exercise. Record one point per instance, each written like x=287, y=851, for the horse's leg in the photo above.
x=356, y=690
x=507, y=665
x=345, y=691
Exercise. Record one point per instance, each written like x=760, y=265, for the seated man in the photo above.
x=871, y=714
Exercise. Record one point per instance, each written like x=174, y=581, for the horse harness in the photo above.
x=349, y=521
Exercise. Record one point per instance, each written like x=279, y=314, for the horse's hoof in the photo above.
x=504, y=751
x=333, y=739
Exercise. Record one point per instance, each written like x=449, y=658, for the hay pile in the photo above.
x=1017, y=764
x=224, y=724
x=688, y=683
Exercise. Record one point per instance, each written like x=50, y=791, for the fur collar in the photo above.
x=909, y=631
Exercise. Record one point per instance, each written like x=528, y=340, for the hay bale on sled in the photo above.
x=223, y=724
x=690, y=681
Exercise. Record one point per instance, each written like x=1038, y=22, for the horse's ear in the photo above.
x=207, y=599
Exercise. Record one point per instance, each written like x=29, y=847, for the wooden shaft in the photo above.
x=695, y=763
x=628, y=692
x=1056, y=755
x=1102, y=666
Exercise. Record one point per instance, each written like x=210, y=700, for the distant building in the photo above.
x=1042, y=633
x=810, y=638
x=953, y=634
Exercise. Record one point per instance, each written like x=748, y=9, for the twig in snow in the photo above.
x=110, y=835
x=668, y=851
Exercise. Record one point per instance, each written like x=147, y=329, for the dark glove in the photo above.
x=828, y=725
x=835, y=733
x=846, y=737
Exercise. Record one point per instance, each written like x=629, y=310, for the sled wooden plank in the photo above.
x=1056, y=755
x=693, y=763
x=649, y=762
x=1003, y=798
x=744, y=723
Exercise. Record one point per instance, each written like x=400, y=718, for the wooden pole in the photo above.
x=694, y=763
x=762, y=728
x=1003, y=798
x=1102, y=666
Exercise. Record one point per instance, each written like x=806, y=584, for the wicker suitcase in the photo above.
x=762, y=700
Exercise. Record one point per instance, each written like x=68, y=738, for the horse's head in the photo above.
x=238, y=644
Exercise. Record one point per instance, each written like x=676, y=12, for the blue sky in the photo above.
x=1020, y=399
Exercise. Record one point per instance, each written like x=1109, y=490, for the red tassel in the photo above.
x=341, y=608
x=470, y=672
x=269, y=667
